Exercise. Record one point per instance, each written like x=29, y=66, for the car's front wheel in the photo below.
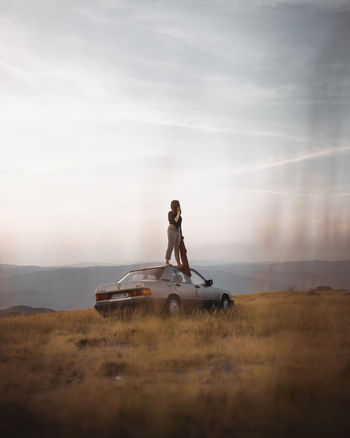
x=173, y=306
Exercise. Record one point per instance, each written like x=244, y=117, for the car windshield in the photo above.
x=142, y=274
x=197, y=278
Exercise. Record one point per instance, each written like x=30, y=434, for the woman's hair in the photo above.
x=174, y=204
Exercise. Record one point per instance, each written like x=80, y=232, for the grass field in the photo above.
x=278, y=364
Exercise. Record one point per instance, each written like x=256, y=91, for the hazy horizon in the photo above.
x=111, y=109
x=194, y=262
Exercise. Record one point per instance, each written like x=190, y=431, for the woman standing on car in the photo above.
x=174, y=232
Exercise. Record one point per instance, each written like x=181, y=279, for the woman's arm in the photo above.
x=176, y=218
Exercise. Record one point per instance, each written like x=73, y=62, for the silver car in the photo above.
x=166, y=289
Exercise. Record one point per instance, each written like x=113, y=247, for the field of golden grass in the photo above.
x=278, y=364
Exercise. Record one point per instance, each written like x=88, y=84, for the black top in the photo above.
x=171, y=217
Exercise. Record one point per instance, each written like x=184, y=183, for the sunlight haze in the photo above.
x=111, y=109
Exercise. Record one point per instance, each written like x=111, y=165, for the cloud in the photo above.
x=323, y=153
x=320, y=193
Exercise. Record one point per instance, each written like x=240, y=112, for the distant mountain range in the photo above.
x=24, y=310
x=73, y=287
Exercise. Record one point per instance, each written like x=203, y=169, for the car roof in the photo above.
x=166, y=270
x=147, y=267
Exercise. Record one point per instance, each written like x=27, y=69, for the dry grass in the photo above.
x=277, y=365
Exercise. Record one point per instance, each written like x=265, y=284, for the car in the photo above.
x=166, y=289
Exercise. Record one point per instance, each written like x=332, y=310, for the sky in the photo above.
x=110, y=109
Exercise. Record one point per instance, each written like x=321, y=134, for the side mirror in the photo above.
x=209, y=282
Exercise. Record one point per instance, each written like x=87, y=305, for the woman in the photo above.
x=174, y=232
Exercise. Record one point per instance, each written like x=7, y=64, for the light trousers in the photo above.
x=174, y=240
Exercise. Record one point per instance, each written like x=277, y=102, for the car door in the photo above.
x=185, y=289
x=206, y=295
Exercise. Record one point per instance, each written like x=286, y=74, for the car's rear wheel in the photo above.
x=173, y=306
x=226, y=303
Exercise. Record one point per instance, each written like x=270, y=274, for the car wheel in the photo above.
x=226, y=303
x=173, y=306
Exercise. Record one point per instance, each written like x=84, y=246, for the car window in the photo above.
x=142, y=274
x=137, y=276
x=196, y=278
x=183, y=277
x=174, y=277
x=150, y=277
x=128, y=277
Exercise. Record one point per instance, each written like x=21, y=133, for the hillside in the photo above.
x=62, y=288
x=24, y=310
x=276, y=365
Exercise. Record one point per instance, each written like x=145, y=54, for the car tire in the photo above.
x=226, y=303
x=173, y=306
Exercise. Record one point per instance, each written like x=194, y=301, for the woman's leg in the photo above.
x=171, y=242
x=177, y=248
